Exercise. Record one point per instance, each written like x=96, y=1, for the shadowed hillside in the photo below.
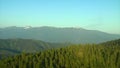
x=75, y=56
x=16, y=46
x=112, y=42
x=82, y=56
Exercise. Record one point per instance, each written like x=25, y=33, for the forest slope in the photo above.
x=16, y=46
x=76, y=56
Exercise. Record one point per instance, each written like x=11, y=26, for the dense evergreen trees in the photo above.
x=113, y=42
x=76, y=56
x=10, y=47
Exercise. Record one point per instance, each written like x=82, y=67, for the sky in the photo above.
x=103, y=15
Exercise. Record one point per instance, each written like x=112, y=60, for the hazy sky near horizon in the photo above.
x=101, y=15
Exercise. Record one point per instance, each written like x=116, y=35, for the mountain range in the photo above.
x=57, y=35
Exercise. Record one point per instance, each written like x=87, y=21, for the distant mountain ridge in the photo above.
x=57, y=35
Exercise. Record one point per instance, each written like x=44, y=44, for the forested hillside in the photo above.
x=76, y=56
x=113, y=42
x=59, y=33
x=16, y=46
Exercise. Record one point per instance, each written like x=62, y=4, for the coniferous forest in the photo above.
x=59, y=33
x=105, y=55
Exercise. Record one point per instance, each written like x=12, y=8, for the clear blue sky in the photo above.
x=101, y=15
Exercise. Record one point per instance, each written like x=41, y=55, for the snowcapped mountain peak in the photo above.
x=27, y=27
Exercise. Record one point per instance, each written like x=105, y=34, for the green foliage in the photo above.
x=10, y=47
x=113, y=42
x=76, y=56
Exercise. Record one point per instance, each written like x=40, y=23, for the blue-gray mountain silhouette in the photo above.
x=53, y=34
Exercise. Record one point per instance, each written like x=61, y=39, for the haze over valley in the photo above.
x=59, y=33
